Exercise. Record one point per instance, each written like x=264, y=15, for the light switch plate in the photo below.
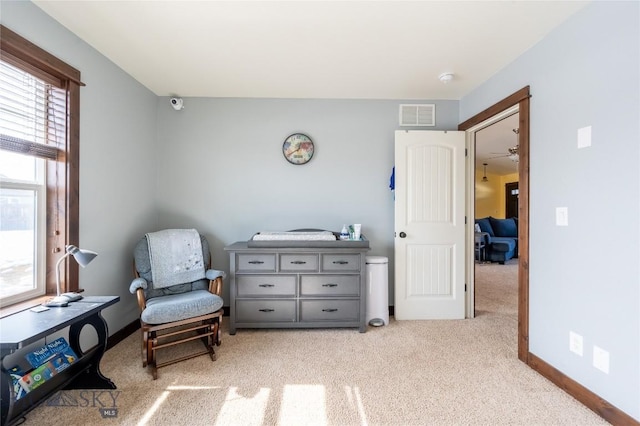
x=601, y=359
x=584, y=137
x=562, y=216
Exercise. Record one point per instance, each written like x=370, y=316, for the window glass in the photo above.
x=18, y=247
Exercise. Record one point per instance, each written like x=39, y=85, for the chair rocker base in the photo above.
x=206, y=326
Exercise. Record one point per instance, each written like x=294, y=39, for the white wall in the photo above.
x=117, y=164
x=585, y=277
x=221, y=168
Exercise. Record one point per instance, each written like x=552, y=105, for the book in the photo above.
x=61, y=346
x=16, y=374
x=46, y=371
x=42, y=355
x=39, y=356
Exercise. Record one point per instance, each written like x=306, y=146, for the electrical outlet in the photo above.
x=601, y=359
x=575, y=343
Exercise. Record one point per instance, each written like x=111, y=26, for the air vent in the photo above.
x=418, y=115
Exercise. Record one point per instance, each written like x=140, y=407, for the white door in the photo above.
x=429, y=225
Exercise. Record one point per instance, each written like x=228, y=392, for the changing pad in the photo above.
x=294, y=236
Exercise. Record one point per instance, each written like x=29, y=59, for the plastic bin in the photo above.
x=377, y=290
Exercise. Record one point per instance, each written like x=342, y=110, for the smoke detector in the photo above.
x=446, y=77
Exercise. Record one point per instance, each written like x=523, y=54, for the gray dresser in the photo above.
x=297, y=287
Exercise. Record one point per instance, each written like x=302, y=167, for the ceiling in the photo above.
x=311, y=49
x=493, y=143
x=318, y=49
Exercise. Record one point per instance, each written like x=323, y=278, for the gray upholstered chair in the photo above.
x=172, y=314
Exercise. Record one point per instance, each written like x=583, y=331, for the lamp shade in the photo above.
x=83, y=257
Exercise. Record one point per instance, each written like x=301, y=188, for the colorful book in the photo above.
x=38, y=376
x=48, y=351
x=60, y=346
x=39, y=356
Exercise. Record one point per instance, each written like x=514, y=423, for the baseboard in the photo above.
x=604, y=409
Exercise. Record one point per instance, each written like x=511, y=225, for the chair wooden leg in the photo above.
x=219, y=331
x=145, y=355
x=152, y=359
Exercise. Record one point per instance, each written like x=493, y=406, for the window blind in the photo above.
x=32, y=114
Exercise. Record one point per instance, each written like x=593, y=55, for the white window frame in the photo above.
x=40, y=233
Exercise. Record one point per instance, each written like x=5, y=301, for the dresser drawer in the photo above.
x=298, y=262
x=329, y=310
x=265, y=285
x=341, y=262
x=330, y=285
x=256, y=262
x=265, y=310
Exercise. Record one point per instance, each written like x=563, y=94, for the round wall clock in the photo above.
x=298, y=148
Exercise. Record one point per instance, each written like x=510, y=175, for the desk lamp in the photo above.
x=83, y=257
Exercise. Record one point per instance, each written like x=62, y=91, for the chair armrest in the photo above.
x=212, y=274
x=215, y=281
x=138, y=283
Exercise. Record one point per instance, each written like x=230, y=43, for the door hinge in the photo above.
x=466, y=152
x=465, y=220
x=465, y=287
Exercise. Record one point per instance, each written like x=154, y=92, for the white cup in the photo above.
x=357, y=229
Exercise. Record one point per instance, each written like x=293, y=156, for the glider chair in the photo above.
x=178, y=295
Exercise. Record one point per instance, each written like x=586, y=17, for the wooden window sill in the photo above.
x=21, y=306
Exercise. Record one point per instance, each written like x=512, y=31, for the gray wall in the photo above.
x=585, y=277
x=221, y=168
x=117, y=164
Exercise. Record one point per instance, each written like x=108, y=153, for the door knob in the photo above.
x=403, y=235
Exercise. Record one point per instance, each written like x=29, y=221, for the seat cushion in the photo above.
x=503, y=244
x=177, y=307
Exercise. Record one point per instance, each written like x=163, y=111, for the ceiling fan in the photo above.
x=512, y=153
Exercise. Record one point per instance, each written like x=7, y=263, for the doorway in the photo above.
x=521, y=99
x=511, y=199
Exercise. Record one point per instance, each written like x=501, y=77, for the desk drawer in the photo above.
x=341, y=262
x=329, y=310
x=265, y=310
x=330, y=285
x=298, y=262
x=256, y=262
x=265, y=285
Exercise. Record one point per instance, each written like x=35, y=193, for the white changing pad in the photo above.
x=294, y=236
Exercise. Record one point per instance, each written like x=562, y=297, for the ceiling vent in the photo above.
x=418, y=115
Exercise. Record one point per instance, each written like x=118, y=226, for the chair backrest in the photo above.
x=142, y=265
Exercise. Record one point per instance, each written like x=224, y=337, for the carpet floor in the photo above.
x=462, y=372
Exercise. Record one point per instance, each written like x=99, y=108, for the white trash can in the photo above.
x=377, y=290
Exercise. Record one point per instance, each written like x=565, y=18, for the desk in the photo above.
x=26, y=327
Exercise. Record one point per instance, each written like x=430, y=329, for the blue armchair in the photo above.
x=180, y=301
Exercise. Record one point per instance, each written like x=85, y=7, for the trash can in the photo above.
x=377, y=290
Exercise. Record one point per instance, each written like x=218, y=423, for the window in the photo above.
x=39, y=126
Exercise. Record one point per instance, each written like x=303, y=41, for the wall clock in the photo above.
x=298, y=148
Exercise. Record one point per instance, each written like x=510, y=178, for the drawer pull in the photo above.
x=256, y=262
x=298, y=262
x=340, y=262
x=330, y=285
x=266, y=310
x=266, y=285
x=330, y=310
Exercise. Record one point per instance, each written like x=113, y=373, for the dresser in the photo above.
x=297, y=287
